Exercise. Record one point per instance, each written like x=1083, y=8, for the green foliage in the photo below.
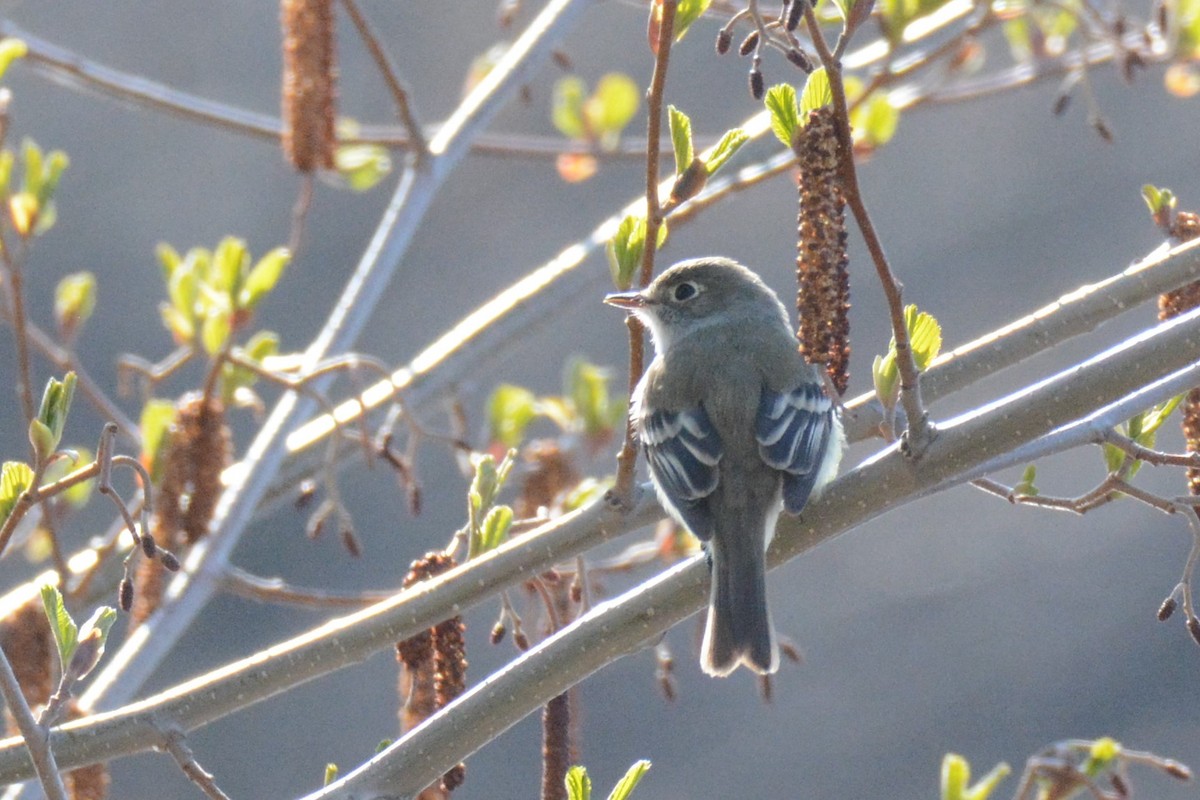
x=687, y=12
x=586, y=387
x=45, y=431
x=817, y=92
x=213, y=294
x=78, y=494
x=874, y=121
x=599, y=117
x=1142, y=428
x=11, y=49
x=331, y=774
x=785, y=113
x=925, y=339
x=1026, y=486
x=15, y=478
x=79, y=648
x=681, y=138
x=1158, y=200
x=31, y=209
x=157, y=417
x=361, y=166
x=724, y=150
x=487, y=525
x=237, y=381
x=956, y=779
x=1187, y=29
x=625, y=249
x=510, y=409
x=579, y=785
x=74, y=301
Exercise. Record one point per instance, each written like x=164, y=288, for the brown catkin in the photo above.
x=198, y=449
x=90, y=782
x=1186, y=227
x=556, y=747
x=26, y=639
x=309, y=83
x=435, y=666
x=822, y=262
x=550, y=473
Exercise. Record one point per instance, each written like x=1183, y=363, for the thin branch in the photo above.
x=416, y=138
x=175, y=745
x=919, y=432
x=191, y=589
x=627, y=457
x=34, y=741
x=624, y=625
x=275, y=590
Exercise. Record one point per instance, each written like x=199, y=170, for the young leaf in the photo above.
x=15, y=478
x=625, y=250
x=263, y=277
x=11, y=49
x=494, y=530
x=816, y=94
x=611, y=107
x=56, y=403
x=510, y=409
x=729, y=144
x=92, y=637
x=1026, y=485
x=23, y=211
x=785, y=114
x=681, y=139
x=874, y=122
x=687, y=12
x=587, y=388
x=79, y=493
x=74, y=301
x=566, y=107
x=6, y=165
x=579, y=785
x=924, y=336
x=1159, y=200
x=215, y=330
x=66, y=634
x=157, y=418
x=886, y=377
x=229, y=262
x=633, y=776
x=361, y=166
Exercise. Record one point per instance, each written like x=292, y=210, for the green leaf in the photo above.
x=56, y=403
x=817, y=92
x=1101, y=755
x=681, y=139
x=611, y=107
x=181, y=326
x=587, y=388
x=1159, y=200
x=66, y=634
x=566, y=107
x=93, y=635
x=361, y=166
x=510, y=409
x=15, y=478
x=31, y=157
x=229, y=263
x=579, y=785
x=729, y=144
x=11, y=49
x=74, y=301
x=263, y=277
x=56, y=164
x=168, y=259
x=586, y=491
x=924, y=336
x=687, y=12
x=215, y=330
x=785, y=114
x=331, y=773
x=875, y=120
x=625, y=250
x=886, y=377
x=41, y=439
x=1156, y=416
x=6, y=165
x=237, y=379
x=1026, y=485
x=494, y=530
x=157, y=417
x=633, y=776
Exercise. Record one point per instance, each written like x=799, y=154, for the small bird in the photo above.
x=736, y=427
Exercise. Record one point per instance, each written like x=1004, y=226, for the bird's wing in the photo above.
x=683, y=448
x=793, y=429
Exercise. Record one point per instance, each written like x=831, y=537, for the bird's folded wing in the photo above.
x=792, y=429
x=683, y=449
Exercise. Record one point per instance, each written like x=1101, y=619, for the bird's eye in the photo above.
x=685, y=291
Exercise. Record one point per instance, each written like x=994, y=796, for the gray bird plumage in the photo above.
x=736, y=428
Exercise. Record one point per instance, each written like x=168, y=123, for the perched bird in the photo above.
x=736, y=427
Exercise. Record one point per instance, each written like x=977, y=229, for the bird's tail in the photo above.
x=739, y=625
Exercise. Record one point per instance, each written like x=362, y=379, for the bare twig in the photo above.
x=34, y=737
x=627, y=458
x=416, y=138
x=174, y=744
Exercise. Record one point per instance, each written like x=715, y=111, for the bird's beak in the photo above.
x=631, y=301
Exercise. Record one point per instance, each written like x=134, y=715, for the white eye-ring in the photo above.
x=685, y=291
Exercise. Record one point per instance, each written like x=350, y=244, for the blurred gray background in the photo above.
x=958, y=623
